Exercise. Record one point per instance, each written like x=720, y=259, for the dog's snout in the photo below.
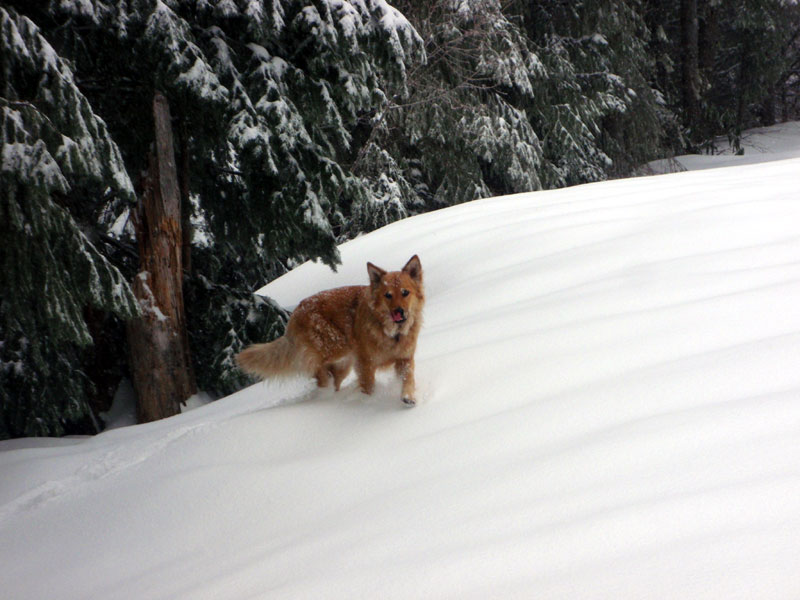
x=399, y=310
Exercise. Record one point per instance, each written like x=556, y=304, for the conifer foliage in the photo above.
x=737, y=66
x=60, y=170
x=519, y=96
x=463, y=133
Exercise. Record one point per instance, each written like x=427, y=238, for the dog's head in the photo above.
x=397, y=296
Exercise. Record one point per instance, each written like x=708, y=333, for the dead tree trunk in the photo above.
x=157, y=340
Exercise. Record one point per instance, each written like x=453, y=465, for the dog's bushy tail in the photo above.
x=273, y=359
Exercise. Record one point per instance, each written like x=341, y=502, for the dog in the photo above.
x=367, y=326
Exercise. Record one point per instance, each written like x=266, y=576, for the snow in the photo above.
x=203, y=81
x=609, y=409
x=33, y=163
x=123, y=408
x=347, y=18
x=148, y=303
x=122, y=412
x=764, y=144
x=122, y=225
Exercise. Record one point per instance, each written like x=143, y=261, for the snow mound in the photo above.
x=610, y=409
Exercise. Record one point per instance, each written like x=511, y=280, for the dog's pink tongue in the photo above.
x=397, y=316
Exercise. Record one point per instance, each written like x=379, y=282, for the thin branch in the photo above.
x=120, y=245
x=18, y=103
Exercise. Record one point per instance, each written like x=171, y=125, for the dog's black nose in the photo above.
x=400, y=312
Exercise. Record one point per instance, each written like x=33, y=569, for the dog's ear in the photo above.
x=414, y=268
x=375, y=274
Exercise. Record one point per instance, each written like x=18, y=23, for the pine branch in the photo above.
x=17, y=103
x=124, y=247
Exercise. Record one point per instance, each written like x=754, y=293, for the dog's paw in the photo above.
x=409, y=401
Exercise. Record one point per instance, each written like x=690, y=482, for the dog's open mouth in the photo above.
x=398, y=315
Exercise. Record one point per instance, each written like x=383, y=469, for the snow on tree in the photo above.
x=516, y=97
x=596, y=110
x=61, y=175
x=463, y=132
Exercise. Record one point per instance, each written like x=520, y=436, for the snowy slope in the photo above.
x=610, y=382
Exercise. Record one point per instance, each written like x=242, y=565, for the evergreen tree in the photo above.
x=599, y=111
x=754, y=52
x=463, y=132
x=743, y=60
x=519, y=96
x=62, y=180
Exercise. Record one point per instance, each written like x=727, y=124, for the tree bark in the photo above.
x=690, y=71
x=708, y=37
x=158, y=342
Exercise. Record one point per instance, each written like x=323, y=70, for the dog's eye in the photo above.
x=406, y=293
x=388, y=295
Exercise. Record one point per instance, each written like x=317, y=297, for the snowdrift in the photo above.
x=610, y=408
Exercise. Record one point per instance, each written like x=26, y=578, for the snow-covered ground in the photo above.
x=764, y=144
x=610, y=408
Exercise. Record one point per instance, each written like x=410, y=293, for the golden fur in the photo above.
x=370, y=327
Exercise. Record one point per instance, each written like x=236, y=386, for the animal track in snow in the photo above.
x=99, y=466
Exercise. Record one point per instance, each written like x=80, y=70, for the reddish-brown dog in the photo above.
x=371, y=327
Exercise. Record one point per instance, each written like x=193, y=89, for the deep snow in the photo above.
x=610, y=408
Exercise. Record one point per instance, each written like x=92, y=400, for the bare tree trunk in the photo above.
x=708, y=36
x=158, y=341
x=744, y=76
x=690, y=72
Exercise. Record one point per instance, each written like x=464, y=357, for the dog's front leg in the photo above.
x=404, y=368
x=366, y=375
